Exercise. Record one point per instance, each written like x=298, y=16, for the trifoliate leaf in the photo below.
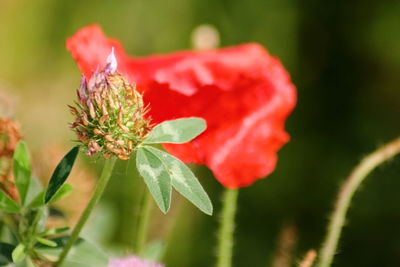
x=155, y=176
x=184, y=181
x=176, y=131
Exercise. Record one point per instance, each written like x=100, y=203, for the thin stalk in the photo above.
x=143, y=221
x=349, y=187
x=226, y=228
x=101, y=185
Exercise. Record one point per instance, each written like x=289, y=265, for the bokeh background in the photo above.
x=344, y=58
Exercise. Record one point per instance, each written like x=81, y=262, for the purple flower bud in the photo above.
x=112, y=63
x=104, y=120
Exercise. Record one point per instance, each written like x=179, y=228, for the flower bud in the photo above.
x=110, y=114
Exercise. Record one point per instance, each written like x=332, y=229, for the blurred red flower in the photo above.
x=242, y=92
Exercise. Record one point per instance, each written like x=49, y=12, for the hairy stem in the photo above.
x=226, y=228
x=101, y=185
x=349, y=187
x=143, y=221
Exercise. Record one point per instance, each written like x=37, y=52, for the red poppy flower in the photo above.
x=242, y=92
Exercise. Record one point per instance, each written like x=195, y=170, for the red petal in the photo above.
x=244, y=94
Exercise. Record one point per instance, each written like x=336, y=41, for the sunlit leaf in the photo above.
x=61, y=193
x=22, y=170
x=61, y=173
x=54, y=231
x=176, y=131
x=184, y=181
x=46, y=242
x=18, y=253
x=155, y=176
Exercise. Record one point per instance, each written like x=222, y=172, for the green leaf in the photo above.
x=38, y=201
x=6, y=253
x=54, y=231
x=46, y=242
x=22, y=170
x=61, y=173
x=7, y=204
x=82, y=254
x=18, y=253
x=176, y=131
x=184, y=181
x=155, y=176
x=35, y=187
x=64, y=191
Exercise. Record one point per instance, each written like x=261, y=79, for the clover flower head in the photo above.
x=110, y=114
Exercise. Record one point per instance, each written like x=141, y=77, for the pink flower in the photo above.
x=132, y=261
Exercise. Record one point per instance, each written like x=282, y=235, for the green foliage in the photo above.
x=18, y=253
x=184, y=181
x=155, y=176
x=54, y=231
x=46, y=242
x=7, y=204
x=6, y=253
x=176, y=131
x=162, y=171
x=83, y=253
x=22, y=170
x=61, y=173
x=61, y=193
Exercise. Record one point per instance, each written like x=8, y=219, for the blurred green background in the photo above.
x=344, y=58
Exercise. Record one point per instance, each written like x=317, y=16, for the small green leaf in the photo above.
x=82, y=254
x=35, y=187
x=18, y=253
x=176, y=131
x=61, y=173
x=155, y=176
x=64, y=191
x=7, y=204
x=184, y=181
x=22, y=170
x=5, y=253
x=46, y=242
x=38, y=201
x=54, y=231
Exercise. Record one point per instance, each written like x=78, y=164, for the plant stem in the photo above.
x=101, y=185
x=143, y=221
x=227, y=227
x=349, y=187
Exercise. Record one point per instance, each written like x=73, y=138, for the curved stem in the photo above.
x=337, y=219
x=101, y=185
x=227, y=227
x=143, y=221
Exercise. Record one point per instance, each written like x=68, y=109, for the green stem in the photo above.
x=143, y=221
x=349, y=187
x=227, y=227
x=101, y=185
